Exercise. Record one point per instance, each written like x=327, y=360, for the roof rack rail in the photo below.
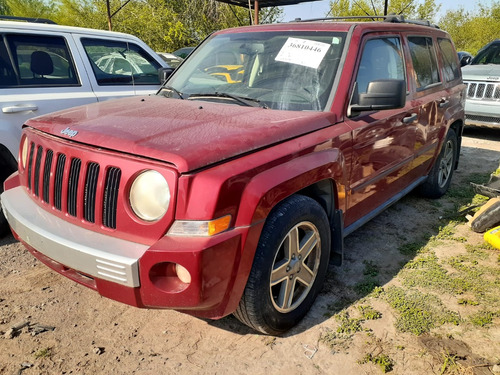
x=394, y=18
x=27, y=19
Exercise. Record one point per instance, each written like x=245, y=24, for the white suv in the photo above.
x=47, y=67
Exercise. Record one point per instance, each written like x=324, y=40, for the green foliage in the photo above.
x=43, y=353
x=163, y=25
x=472, y=30
x=385, y=363
x=418, y=312
x=482, y=318
x=426, y=9
x=348, y=326
x=369, y=313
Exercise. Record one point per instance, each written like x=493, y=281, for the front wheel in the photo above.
x=289, y=267
x=439, y=178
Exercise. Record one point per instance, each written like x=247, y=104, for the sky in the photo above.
x=318, y=9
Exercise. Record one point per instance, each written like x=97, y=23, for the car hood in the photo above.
x=490, y=72
x=187, y=133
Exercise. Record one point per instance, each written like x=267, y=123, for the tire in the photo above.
x=439, y=178
x=4, y=225
x=285, y=280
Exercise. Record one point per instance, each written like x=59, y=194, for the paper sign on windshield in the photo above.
x=303, y=52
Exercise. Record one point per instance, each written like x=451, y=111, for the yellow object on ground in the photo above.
x=493, y=237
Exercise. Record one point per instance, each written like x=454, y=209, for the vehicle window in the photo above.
x=121, y=63
x=42, y=60
x=489, y=55
x=291, y=70
x=381, y=59
x=449, y=60
x=424, y=62
x=7, y=75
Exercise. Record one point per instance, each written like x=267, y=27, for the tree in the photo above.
x=411, y=9
x=472, y=30
x=29, y=8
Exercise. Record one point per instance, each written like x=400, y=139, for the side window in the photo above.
x=424, y=62
x=42, y=61
x=449, y=60
x=121, y=63
x=381, y=59
x=7, y=76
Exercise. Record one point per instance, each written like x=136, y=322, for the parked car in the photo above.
x=465, y=58
x=46, y=67
x=215, y=198
x=171, y=59
x=482, y=77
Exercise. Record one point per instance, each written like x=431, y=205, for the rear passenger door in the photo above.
x=38, y=75
x=383, y=141
x=429, y=96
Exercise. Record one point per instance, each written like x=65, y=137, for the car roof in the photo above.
x=337, y=25
x=42, y=27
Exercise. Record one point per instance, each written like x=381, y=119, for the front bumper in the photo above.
x=133, y=273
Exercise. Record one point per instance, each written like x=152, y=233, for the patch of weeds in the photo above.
x=422, y=262
x=467, y=302
x=348, y=326
x=385, y=363
x=43, y=353
x=418, y=312
x=369, y=313
x=411, y=248
x=371, y=269
x=365, y=287
x=377, y=292
x=448, y=231
x=450, y=364
x=478, y=251
x=482, y=318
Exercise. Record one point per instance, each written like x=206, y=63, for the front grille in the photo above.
x=483, y=91
x=63, y=182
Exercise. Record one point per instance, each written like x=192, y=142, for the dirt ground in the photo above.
x=51, y=325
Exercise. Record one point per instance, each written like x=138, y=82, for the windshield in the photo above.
x=285, y=70
x=489, y=55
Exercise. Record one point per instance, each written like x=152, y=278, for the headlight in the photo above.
x=150, y=196
x=24, y=152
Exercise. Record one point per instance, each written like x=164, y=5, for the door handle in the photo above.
x=19, y=108
x=410, y=119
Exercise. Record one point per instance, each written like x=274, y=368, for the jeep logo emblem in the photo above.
x=70, y=133
x=493, y=78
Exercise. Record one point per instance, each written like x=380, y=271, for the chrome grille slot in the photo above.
x=46, y=175
x=90, y=192
x=111, y=197
x=38, y=161
x=58, y=181
x=74, y=176
x=30, y=164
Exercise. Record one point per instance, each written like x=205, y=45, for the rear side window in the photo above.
x=424, y=62
x=450, y=64
x=37, y=61
x=121, y=63
x=381, y=59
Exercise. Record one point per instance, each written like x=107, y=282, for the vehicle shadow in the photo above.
x=378, y=251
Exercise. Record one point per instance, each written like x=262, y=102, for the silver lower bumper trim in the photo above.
x=92, y=253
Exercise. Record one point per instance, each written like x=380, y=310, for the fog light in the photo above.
x=183, y=274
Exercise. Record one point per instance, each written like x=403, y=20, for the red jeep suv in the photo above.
x=232, y=189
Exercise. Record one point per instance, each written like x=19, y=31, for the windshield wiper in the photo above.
x=249, y=102
x=177, y=92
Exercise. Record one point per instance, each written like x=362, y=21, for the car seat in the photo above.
x=41, y=64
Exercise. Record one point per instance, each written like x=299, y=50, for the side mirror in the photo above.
x=381, y=94
x=164, y=73
x=465, y=60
